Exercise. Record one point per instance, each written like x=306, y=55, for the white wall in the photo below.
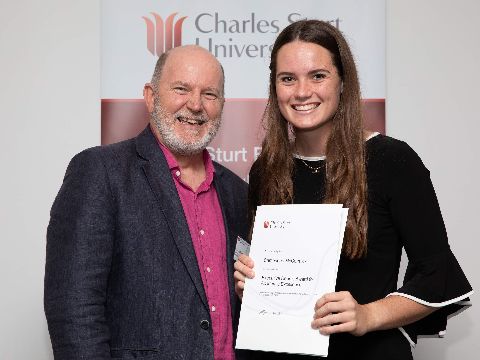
x=49, y=110
x=433, y=74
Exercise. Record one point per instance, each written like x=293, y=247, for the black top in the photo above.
x=402, y=212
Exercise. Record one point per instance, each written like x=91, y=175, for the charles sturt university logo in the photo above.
x=276, y=224
x=163, y=35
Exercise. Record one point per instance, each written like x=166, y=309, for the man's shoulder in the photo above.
x=119, y=150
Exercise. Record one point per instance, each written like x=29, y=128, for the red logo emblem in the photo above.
x=266, y=224
x=162, y=36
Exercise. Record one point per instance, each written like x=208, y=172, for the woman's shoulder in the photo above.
x=392, y=155
x=387, y=148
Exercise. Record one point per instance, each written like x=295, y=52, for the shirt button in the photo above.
x=177, y=172
x=213, y=309
x=204, y=324
x=202, y=232
x=208, y=269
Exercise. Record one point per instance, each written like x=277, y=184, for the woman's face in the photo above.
x=308, y=85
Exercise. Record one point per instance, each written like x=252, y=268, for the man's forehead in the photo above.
x=193, y=65
x=193, y=54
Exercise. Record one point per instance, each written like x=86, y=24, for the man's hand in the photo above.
x=243, y=269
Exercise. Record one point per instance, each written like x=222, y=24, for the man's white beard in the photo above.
x=165, y=121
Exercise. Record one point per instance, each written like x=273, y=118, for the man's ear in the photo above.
x=149, y=97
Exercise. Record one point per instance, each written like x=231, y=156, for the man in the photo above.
x=142, y=233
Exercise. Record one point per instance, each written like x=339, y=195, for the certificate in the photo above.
x=296, y=250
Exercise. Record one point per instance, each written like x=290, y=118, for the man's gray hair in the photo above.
x=157, y=73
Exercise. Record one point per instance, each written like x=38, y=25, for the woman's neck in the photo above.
x=312, y=143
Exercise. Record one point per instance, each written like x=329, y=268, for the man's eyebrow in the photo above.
x=187, y=85
x=213, y=89
x=182, y=83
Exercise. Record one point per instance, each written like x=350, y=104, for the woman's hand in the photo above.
x=243, y=269
x=339, y=312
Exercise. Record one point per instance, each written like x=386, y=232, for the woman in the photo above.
x=316, y=151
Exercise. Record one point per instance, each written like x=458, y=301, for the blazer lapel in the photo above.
x=225, y=199
x=155, y=168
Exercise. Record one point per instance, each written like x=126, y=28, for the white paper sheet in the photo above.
x=296, y=250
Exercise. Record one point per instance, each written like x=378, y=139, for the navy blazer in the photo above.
x=121, y=278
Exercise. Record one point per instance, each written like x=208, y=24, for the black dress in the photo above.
x=402, y=212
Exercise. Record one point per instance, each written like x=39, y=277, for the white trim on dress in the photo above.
x=412, y=343
x=372, y=135
x=309, y=158
x=441, y=304
x=323, y=157
x=457, y=300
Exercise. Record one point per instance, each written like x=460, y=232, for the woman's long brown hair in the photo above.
x=345, y=153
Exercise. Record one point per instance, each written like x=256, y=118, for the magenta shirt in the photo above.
x=205, y=222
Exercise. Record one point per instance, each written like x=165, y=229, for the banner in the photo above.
x=240, y=35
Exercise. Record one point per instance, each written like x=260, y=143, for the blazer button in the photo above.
x=204, y=324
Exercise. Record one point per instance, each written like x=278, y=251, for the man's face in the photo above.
x=187, y=105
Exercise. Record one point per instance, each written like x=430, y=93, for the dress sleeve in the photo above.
x=433, y=276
